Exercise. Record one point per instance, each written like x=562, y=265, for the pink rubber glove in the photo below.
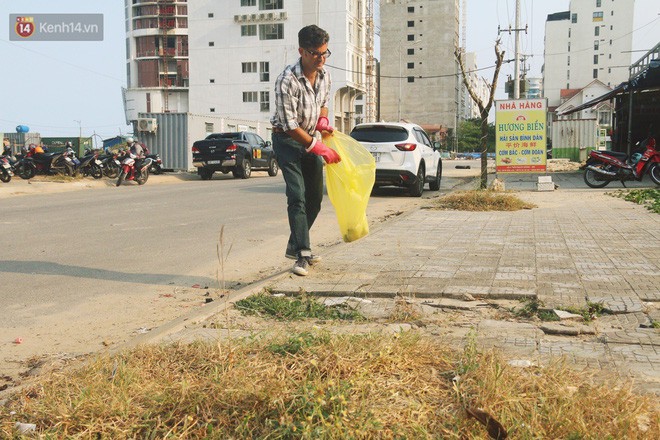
x=328, y=154
x=323, y=124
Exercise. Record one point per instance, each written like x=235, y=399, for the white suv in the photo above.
x=405, y=156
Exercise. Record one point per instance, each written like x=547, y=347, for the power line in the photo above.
x=418, y=76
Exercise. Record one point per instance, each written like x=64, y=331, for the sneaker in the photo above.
x=301, y=266
x=312, y=259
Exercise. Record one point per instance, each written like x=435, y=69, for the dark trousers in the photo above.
x=303, y=175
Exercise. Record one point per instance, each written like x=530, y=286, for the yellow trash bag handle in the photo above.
x=349, y=184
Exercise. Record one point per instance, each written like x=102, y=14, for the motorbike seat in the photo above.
x=618, y=154
x=45, y=157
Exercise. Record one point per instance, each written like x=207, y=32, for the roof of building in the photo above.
x=568, y=93
x=558, y=16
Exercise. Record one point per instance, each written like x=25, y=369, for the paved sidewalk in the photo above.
x=579, y=246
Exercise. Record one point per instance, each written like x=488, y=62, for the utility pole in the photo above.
x=516, y=63
x=516, y=58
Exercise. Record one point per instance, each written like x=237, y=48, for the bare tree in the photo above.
x=484, y=109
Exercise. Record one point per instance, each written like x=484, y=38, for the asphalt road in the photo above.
x=91, y=268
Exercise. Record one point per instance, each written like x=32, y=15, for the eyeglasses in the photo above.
x=316, y=54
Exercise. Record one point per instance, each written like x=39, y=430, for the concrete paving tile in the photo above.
x=424, y=273
x=638, y=336
x=618, y=304
x=649, y=295
x=511, y=293
x=633, y=321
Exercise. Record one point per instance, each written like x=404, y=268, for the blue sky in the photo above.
x=49, y=86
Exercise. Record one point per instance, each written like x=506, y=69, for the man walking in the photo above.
x=302, y=92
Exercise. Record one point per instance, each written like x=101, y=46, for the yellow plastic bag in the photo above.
x=349, y=184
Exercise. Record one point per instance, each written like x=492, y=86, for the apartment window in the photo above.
x=411, y=79
x=568, y=61
x=595, y=59
x=611, y=27
x=596, y=31
x=598, y=3
x=568, y=74
x=411, y=37
x=610, y=42
x=264, y=71
x=596, y=44
x=249, y=67
x=411, y=9
x=411, y=65
x=248, y=30
x=212, y=81
x=573, y=18
x=411, y=51
x=264, y=98
x=411, y=23
x=609, y=70
x=210, y=14
x=612, y=13
x=598, y=16
x=595, y=73
x=208, y=127
x=273, y=31
x=569, y=46
x=212, y=109
x=249, y=96
x=271, y=4
x=248, y=2
x=569, y=32
x=211, y=44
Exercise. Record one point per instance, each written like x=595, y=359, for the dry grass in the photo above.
x=61, y=178
x=404, y=311
x=319, y=386
x=481, y=200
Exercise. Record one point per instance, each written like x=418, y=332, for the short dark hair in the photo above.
x=312, y=36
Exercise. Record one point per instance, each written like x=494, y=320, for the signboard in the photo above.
x=520, y=135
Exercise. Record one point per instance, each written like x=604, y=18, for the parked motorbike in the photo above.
x=32, y=163
x=90, y=165
x=6, y=170
x=156, y=164
x=110, y=164
x=133, y=168
x=604, y=167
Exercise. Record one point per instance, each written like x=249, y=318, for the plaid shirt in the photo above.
x=296, y=103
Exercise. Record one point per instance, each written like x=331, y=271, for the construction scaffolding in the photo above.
x=166, y=22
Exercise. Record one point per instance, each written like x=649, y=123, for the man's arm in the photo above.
x=300, y=136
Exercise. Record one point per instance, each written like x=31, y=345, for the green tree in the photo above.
x=469, y=136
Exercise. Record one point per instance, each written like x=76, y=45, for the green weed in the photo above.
x=650, y=198
x=293, y=309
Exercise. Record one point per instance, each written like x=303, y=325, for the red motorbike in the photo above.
x=604, y=167
x=134, y=168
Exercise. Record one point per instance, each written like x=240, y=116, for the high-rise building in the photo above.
x=419, y=73
x=221, y=58
x=157, y=72
x=592, y=40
